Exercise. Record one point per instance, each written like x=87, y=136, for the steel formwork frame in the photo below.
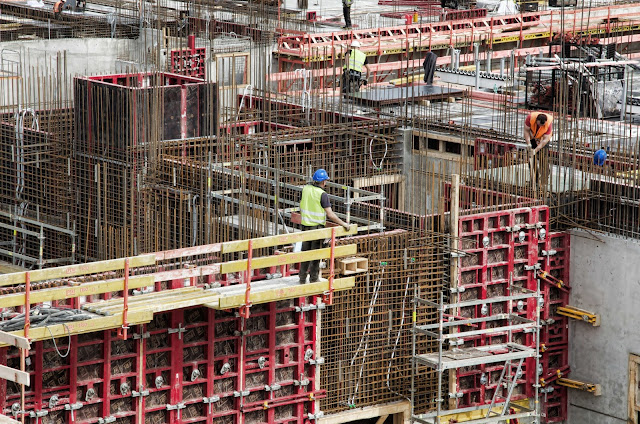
x=191, y=365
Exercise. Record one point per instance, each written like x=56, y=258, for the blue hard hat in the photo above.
x=320, y=175
x=599, y=157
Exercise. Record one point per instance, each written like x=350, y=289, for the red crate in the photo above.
x=260, y=370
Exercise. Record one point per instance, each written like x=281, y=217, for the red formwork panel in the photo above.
x=193, y=365
x=498, y=247
x=554, y=333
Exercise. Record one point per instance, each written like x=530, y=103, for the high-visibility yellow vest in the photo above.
x=311, y=210
x=356, y=60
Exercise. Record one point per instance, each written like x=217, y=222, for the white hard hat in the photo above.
x=356, y=44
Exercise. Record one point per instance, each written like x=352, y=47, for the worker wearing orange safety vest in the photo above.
x=57, y=8
x=537, y=134
x=315, y=208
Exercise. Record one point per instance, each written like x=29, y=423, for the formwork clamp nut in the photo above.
x=532, y=267
x=73, y=406
x=211, y=399
x=460, y=289
x=316, y=416
x=38, y=414
x=272, y=388
x=549, y=252
x=242, y=393
x=107, y=420
x=302, y=383
x=458, y=254
x=317, y=361
x=141, y=393
x=513, y=229
x=176, y=407
x=178, y=330
x=456, y=395
x=138, y=336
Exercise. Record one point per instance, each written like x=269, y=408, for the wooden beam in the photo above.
x=281, y=293
x=76, y=270
x=6, y=420
x=12, y=374
x=382, y=419
x=81, y=327
x=13, y=340
x=288, y=258
x=282, y=239
x=67, y=292
x=403, y=408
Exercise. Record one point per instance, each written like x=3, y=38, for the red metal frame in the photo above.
x=495, y=257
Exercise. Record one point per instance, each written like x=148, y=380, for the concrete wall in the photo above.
x=53, y=61
x=605, y=279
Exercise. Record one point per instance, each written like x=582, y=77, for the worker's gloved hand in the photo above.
x=347, y=226
x=365, y=82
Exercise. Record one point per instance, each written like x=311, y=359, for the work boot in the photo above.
x=303, y=279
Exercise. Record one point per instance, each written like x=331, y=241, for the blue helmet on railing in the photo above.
x=320, y=175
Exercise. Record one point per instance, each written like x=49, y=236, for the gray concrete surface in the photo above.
x=605, y=278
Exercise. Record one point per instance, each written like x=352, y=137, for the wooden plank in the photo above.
x=12, y=374
x=104, y=305
x=288, y=258
x=258, y=243
x=67, y=292
x=76, y=270
x=177, y=274
x=401, y=408
x=81, y=327
x=188, y=251
x=6, y=420
x=281, y=293
x=13, y=340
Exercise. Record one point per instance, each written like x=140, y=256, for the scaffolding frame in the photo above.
x=509, y=352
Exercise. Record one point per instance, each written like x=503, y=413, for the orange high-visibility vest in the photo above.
x=539, y=132
x=57, y=7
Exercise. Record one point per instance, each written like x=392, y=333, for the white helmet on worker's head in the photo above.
x=355, y=44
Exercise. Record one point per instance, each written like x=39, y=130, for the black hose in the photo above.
x=40, y=317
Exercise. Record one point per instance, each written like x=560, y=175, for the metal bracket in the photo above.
x=458, y=254
x=513, y=229
x=316, y=416
x=210, y=401
x=302, y=383
x=137, y=336
x=141, y=393
x=317, y=361
x=242, y=393
x=272, y=388
x=457, y=342
x=532, y=267
x=549, y=252
x=176, y=407
x=107, y=420
x=72, y=407
x=178, y=330
x=38, y=414
x=460, y=289
x=457, y=395
x=311, y=307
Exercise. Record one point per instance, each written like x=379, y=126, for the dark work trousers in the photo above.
x=346, y=11
x=429, y=66
x=311, y=267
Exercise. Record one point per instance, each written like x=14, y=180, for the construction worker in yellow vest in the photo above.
x=315, y=208
x=537, y=133
x=355, y=62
